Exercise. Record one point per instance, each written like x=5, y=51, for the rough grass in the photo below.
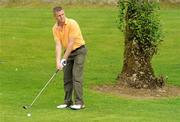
x=56, y=2
x=87, y=3
x=27, y=61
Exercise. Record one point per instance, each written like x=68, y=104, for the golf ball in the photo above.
x=28, y=114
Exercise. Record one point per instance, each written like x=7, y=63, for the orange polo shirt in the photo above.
x=71, y=30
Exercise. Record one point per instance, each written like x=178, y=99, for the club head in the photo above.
x=25, y=107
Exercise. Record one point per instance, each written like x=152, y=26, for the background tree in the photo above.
x=139, y=20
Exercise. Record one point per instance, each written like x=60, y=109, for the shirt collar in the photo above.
x=66, y=21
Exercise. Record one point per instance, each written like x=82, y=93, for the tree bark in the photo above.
x=137, y=71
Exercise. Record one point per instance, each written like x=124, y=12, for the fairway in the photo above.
x=27, y=61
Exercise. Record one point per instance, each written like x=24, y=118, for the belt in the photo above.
x=82, y=46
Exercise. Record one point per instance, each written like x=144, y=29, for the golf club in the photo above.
x=29, y=106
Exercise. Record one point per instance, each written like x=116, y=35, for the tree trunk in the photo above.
x=137, y=71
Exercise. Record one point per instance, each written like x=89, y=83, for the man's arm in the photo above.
x=58, y=54
x=69, y=48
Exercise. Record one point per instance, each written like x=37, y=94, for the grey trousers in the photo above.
x=73, y=76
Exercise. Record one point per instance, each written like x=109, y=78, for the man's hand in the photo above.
x=61, y=64
x=58, y=66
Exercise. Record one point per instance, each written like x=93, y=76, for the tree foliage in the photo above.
x=140, y=19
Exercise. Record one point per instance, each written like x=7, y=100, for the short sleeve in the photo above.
x=74, y=30
x=55, y=34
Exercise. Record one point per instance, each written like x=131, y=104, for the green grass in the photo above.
x=27, y=61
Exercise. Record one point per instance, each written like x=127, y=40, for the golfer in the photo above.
x=67, y=36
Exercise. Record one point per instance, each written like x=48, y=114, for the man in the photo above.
x=67, y=35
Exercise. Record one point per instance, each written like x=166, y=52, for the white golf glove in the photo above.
x=63, y=62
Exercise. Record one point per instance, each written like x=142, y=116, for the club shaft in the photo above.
x=43, y=88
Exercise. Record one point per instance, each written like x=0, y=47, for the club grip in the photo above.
x=57, y=70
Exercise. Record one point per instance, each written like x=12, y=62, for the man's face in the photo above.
x=60, y=16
